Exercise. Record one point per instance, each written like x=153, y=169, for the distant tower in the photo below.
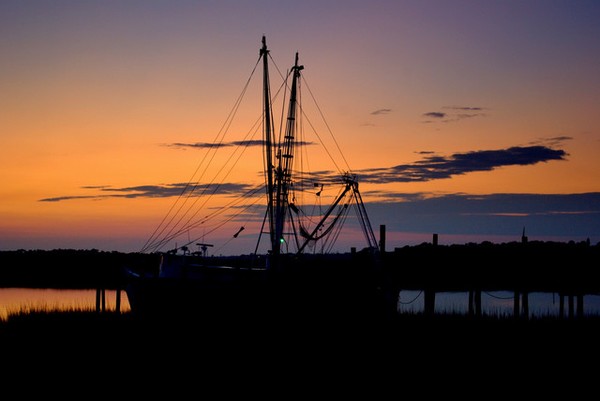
x=523, y=237
x=382, y=238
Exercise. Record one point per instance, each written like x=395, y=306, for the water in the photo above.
x=13, y=300
x=495, y=303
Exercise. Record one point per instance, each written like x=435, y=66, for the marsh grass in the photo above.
x=92, y=337
x=38, y=319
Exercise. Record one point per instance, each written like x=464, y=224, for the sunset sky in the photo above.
x=470, y=119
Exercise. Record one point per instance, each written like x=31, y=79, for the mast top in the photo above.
x=263, y=49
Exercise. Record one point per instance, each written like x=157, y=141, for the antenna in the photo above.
x=203, y=247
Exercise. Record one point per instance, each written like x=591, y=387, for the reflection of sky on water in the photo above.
x=499, y=303
x=495, y=303
x=13, y=300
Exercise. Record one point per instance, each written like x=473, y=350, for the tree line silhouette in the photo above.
x=530, y=266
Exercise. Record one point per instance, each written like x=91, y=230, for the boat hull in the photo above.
x=204, y=290
x=325, y=289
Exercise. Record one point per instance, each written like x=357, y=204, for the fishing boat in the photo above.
x=297, y=268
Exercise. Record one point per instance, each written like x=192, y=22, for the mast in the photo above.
x=279, y=163
x=268, y=139
x=283, y=173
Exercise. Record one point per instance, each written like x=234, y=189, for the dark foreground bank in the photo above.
x=405, y=334
x=368, y=358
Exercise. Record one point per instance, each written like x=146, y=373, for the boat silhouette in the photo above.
x=298, y=270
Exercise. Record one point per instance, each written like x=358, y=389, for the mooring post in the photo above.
x=525, y=296
x=429, y=303
x=471, y=309
x=579, y=305
x=118, y=300
x=100, y=299
x=571, y=306
x=561, y=305
x=516, y=305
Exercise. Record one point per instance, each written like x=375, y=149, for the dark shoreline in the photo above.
x=96, y=323
x=534, y=266
x=435, y=345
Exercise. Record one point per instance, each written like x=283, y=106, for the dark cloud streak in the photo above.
x=381, y=111
x=207, y=145
x=439, y=167
x=159, y=191
x=461, y=115
x=435, y=114
x=430, y=167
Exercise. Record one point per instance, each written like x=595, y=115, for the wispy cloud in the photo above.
x=554, y=141
x=381, y=111
x=207, y=145
x=158, y=191
x=456, y=113
x=430, y=167
x=435, y=114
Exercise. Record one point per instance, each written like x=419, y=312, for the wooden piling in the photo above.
x=561, y=305
x=98, y=299
x=471, y=303
x=525, y=302
x=429, y=303
x=571, y=306
x=478, y=308
x=579, y=305
x=118, y=301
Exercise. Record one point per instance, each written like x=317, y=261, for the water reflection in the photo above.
x=501, y=303
x=498, y=303
x=13, y=300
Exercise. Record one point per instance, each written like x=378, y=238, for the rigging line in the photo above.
x=497, y=297
x=245, y=224
x=339, y=223
x=220, y=134
x=249, y=194
x=233, y=203
x=283, y=77
x=261, y=231
x=361, y=221
x=321, y=140
x=411, y=301
x=213, y=215
x=281, y=89
x=364, y=217
x=303, y=154
x=284, y=100
x=231, y=217
x=246, y=143
x=214, y=147
x=327, y=125
x=205, y=187
x=310, y=218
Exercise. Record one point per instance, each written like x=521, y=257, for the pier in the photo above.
x=566, y=269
